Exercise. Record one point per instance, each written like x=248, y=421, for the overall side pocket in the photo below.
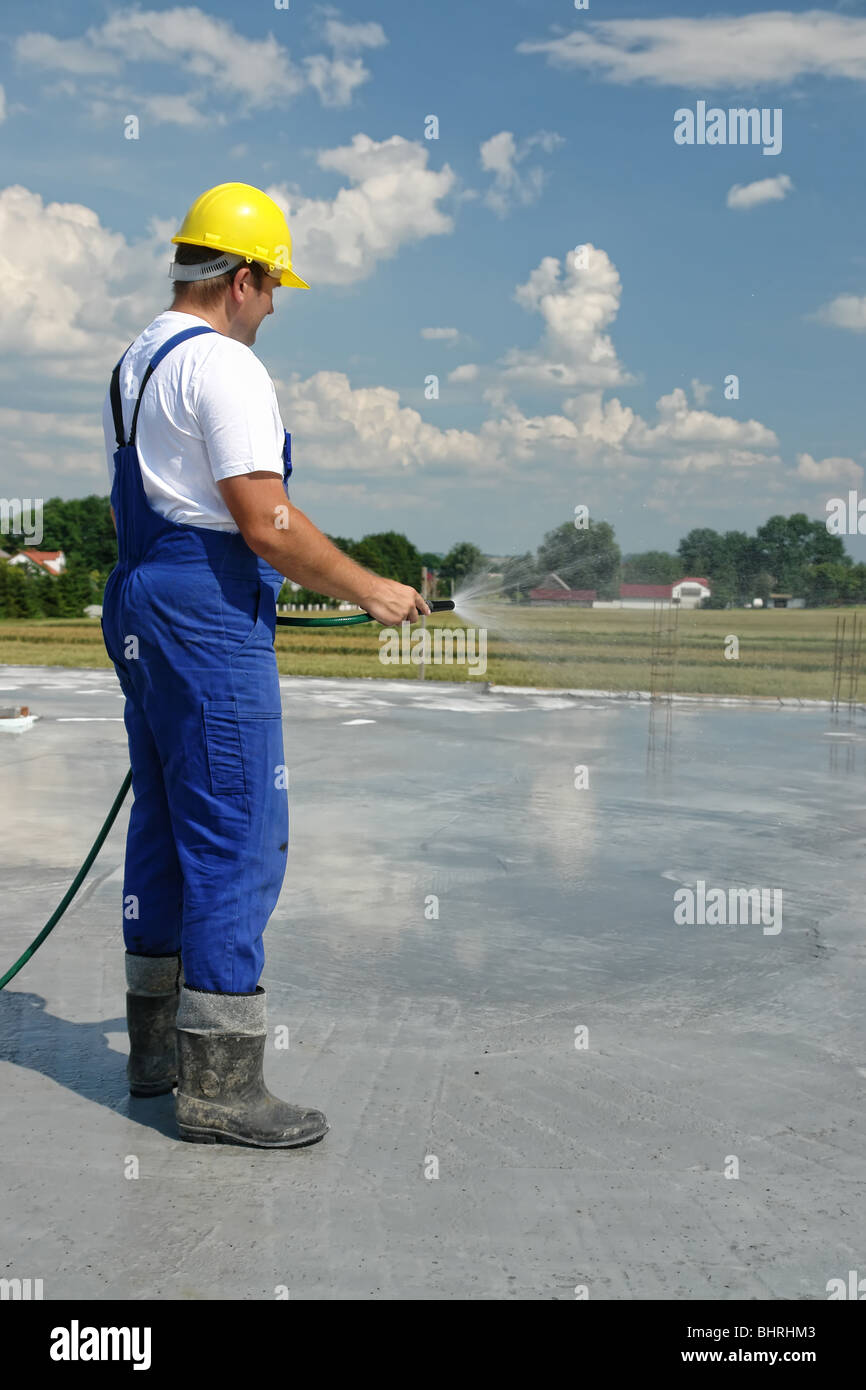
x=222, y=738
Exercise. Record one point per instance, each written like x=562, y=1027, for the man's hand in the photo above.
x=389, y=602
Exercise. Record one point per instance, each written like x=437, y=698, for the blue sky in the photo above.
x=596, y=379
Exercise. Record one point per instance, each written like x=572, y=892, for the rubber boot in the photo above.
x=221, y=1094
x=152, y=991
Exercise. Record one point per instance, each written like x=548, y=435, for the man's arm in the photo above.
x=281, y=534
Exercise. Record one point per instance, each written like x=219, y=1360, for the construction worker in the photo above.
x=199, y=461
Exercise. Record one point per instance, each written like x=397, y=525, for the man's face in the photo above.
x=256, y=305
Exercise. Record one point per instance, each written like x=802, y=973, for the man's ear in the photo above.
x=241, y=278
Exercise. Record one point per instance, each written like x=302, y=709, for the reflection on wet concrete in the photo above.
x=455, y=909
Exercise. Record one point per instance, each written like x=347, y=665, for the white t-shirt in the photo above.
x=209, y=411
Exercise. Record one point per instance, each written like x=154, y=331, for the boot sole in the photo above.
x=219, y=1136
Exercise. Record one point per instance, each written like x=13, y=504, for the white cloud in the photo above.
x=500, y=156
x=344, y=430
x=845, y=311
x=31, y=460
x=446, y=335
x=701, y=391
x=679, y=424
x=93, y=291
x=576, y=306
x=749, y=195
x=344, y=38
x=468, y=371
x=829, y=470
x=2, y=103
x=170, y=110
x=775, y=46
x=393, y=200
x=216, y=58
x=335, y=79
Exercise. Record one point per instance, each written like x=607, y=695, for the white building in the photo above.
x=50, y=561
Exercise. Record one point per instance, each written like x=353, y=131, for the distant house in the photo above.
x=49, y=561
x=685, y=593
x=555, y=593
x=785, y=601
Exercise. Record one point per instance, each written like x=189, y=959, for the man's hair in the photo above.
x=205, y=294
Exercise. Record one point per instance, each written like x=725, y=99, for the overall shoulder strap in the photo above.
x=154, y=363
x=116, y=405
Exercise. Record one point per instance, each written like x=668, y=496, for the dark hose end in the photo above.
x=442, y=605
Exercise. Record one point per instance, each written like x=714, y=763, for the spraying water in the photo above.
x=484, y=601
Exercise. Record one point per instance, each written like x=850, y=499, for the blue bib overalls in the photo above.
x=189, y=622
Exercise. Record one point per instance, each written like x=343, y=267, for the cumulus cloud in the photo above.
x=393, y=200
x=701, y=391
x=829, y=470
x=681, y=440
x=468, y=371
x=93, y=292
x=217, y=60
x=845, y=311
x=576, y=304
x=501, y=155
x=749, y=195
x=367, y=430
x=775, y=47
x=679, y=424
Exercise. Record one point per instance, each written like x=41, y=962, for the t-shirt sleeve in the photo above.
x=236, y=408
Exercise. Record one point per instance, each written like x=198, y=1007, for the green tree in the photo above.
x=519, y=575
x=584, y=558
x=652, y=567
x=397, y=557
x=790, y=545
x=462, y=562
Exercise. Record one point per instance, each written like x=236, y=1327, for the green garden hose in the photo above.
x=76, y=884
x=324, y=622
x=442, y=605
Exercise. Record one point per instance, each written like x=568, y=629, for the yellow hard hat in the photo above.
x=244, y=221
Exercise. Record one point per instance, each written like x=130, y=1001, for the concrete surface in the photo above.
x=454, y=1039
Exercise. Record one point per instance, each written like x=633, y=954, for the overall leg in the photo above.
x=220, y=735
x=152, y=906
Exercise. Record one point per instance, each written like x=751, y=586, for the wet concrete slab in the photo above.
x=482, y=975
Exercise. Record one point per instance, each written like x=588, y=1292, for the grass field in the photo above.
x=781, y=652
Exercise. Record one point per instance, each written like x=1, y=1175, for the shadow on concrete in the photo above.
x=77, y=1056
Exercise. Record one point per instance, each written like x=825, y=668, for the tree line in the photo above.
x=787, y=554
x=792, y=555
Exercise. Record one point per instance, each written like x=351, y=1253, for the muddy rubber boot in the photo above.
x=221, y=1093
x=152, y=991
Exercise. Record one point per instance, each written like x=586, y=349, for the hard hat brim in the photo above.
x=287, y=277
